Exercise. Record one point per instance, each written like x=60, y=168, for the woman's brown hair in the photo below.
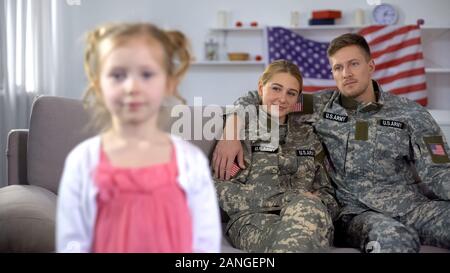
x=281, y=66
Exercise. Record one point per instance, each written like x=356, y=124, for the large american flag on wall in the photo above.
x=396, y=50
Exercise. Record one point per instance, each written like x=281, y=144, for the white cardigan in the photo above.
x=77, y=208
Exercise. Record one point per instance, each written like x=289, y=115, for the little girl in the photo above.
x=134, y=188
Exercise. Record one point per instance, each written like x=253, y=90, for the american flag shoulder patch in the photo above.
x=436, y=147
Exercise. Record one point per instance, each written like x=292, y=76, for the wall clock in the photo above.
x=385, y=14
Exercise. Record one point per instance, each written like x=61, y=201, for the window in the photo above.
x=2, y=47
x=2, y=72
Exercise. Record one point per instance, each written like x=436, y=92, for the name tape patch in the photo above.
x=392, y=123
x=335, y=117
x=302, y=152
x=265, y=149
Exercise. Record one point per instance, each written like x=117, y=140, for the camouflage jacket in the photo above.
x=384, y=156
x=274, y=173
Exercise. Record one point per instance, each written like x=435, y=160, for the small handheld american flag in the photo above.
x=234, y=169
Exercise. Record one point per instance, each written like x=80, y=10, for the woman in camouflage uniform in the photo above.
x=283, y=200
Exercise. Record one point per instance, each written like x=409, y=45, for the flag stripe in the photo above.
x=395, y=62
x=368, y=30
x=401, y=75
x=409, y=88
x=396, y=47
x=309, y=88
x=396, y=40
x=312, y=85
x=404, y=82
x=389, y=36
x=397, y=54
x=378, y=74
x=380, y=32
x=423, y=101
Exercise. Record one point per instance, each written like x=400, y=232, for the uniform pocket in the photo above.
x=304, y=177
x=265, y=163
x=392, y=146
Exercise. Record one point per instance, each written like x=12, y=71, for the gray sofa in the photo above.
x=35, y=160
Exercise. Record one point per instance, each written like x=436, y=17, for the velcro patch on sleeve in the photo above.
x=436, y=147
x=320, y=157
x=361, y=130
x=307, y=103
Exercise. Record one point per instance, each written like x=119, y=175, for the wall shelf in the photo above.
x=238, y=29
x=261, y=28
x=437, y=70
x=317, y=27
x=227, y=63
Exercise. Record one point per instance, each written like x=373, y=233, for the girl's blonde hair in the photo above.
x=176, y=60
x=281, y=66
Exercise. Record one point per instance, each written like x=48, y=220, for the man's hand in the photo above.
x=224, y=156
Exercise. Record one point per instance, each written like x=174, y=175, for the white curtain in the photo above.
x=28, y=55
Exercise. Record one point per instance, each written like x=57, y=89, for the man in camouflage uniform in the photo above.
x=270, y=203
x=388, y=157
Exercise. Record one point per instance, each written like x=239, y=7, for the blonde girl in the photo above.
x=133, y=187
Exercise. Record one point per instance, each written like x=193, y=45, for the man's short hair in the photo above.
x=348, y=39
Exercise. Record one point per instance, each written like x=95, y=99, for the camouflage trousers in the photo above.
x=304, y=225
x=427, y=224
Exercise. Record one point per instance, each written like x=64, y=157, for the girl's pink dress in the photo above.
x=141, y=209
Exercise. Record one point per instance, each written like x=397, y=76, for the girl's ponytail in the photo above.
x=181, y=57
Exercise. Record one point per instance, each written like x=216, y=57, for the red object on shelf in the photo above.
x=258, y=58
x=254, y=24
x=326, y=14
x=238, y=24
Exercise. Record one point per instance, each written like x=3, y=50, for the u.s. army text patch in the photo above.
x=302, y=152
x=392, y=123
x=265, y=149
x=335, y=117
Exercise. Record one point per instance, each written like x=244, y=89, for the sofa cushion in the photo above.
x=228, y=248
x=433, y=249
x=27, y=219
x=56, y=126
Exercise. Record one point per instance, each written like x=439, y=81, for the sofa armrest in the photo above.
x=16, y=157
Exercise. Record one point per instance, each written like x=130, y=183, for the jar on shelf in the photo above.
x=295, y=19
x=211, y=50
